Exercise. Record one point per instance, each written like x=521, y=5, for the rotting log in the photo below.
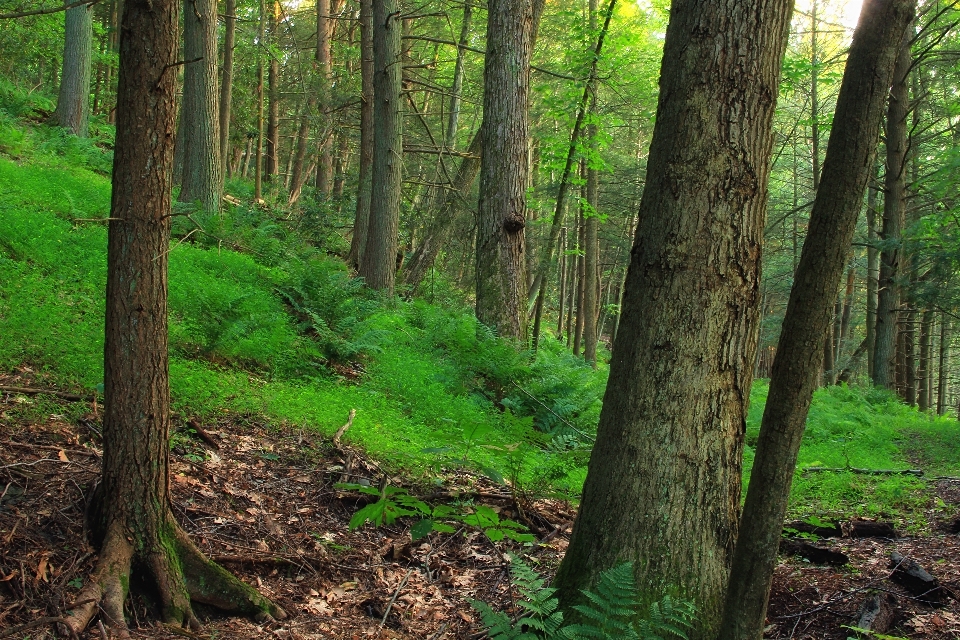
x=869, y=529
x=877, y=613
x=915, y=579
x=815, y=554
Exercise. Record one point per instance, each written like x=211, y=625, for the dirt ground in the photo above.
x=262, y=501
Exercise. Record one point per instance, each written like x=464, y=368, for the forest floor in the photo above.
x=263, y=503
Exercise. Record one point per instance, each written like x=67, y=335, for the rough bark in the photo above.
x=226, y=80
x=362, y=216
x=73, y=103
x=663, y=486
x=379, y=265
x=850, y=152
x=202, y=179
x=131, y=515
x=324, y=56
x=894, y=207
x=273, y=90
x=591, y=223
x=501, y=219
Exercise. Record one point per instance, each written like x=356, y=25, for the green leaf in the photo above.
x=422, y=529
x=372, y=512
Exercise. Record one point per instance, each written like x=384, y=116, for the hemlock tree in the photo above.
x=378, y=266
x=663, y=486
x=846, y=171
x=131, y=515
x=362, y=212
x=202, y=162
x=73, y=102
x=501, y=269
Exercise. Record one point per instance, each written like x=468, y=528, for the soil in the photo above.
x=262, y=500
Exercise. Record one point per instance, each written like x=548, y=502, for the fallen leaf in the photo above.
x=63, y=456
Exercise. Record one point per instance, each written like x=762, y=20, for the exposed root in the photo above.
x=181, y=574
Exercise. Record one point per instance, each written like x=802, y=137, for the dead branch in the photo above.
x=31, y=391
x=342, y=430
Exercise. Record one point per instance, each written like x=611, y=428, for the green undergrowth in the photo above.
x=865, y=428
x=266, y=324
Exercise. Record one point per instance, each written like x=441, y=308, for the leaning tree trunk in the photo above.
x=202, y=163
x=501, y=217
x=73, y=103
x=361, y=219
x=131, y=515
x=663, y=485
x=850, y=153
x=379, y=265
x=894, y=209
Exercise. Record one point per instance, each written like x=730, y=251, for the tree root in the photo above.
x=181, y=573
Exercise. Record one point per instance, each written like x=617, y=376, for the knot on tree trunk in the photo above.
x=514, y=223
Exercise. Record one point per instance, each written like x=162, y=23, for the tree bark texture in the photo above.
x=202, y=160
x=361, y=220
x=73, y=102
x=873, y=272
x=663, y=486
x=591, y=293
x=379, y=264
x=132, y=516
x=501, y=218
x=850, y=153
x=226, y=80
x=894, y=208
x=273, y=89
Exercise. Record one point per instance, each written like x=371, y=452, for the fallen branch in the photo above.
x=867, y=472
x=394, y=598
x=203, y=435
x=30, y=391
x=342, y=430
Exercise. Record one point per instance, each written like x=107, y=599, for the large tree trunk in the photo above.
x=663, y=486
x=202, y=161
x=501, y=218
x=379, y=264
x=73, y=103
x=131, y=516
x=361, y=220
x=226, y=81
x=894, y=208
x=850, y=154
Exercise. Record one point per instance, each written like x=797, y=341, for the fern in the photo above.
x=612, y=613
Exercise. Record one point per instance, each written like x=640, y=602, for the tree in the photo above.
x=226, y=84
x=663, y=485
x=131, y=514
x=73, y=103
x=501, y=279
x=200, y=115
x=847, y=168
x=378, y=265
x=362, y=213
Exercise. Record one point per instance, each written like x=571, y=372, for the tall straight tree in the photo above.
x=361, y=220
x=500, y=267
x=847, y=168
x=200, y=114
x=894, y=212
x=131, y=514
x=379, y=264
x=226, y=83
x=663, y=485
x=73, y=102
x=591, y=223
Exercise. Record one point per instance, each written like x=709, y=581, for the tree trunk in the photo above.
x=299, y=174
x=131, y=515
x=273, y=89
x=562, y=289
x=73, y=103
x=942, y=372
x=362, y=216
x=591, y=293
x=258, y=169
x=324, y=57
x=910, y=356
x=202, y=159
x=847, y=312
x=379, y=264
x=894, y=207
x=663, y=485
x=226, y=81
x=850, y=154
x=453, y=118
x=580, y=285
x=873, y=271
x=924, y=369
x=501, y=281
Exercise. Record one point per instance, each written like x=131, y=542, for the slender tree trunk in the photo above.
x=131, y=513
x=910, y=356
x=299, y=174
x=454, y=116
x=663, y=485
x=894, y=205
x=378, y=266
x=273, y=89
x=562, y=290
x=581, y=285
x=850, y=154
x=261, y=33
x=226, y=81
x=202, y=160
x=324, y=56
x=873, y=272
x=361, y=220
x=591, y=293
x=73, y=103
x=943, y=373
x=847, y=311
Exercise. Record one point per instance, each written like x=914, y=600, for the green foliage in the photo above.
x=613, y=612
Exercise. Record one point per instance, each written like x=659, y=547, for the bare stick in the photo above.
x=403, y=583
x=342, y=430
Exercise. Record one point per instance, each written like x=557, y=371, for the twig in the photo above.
x=43, y=12
x=103, y=630
x=206, y=437
x=868, y=472
x=31, y=391
x=394, y=598
x=343, y=429
x=49, y=447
